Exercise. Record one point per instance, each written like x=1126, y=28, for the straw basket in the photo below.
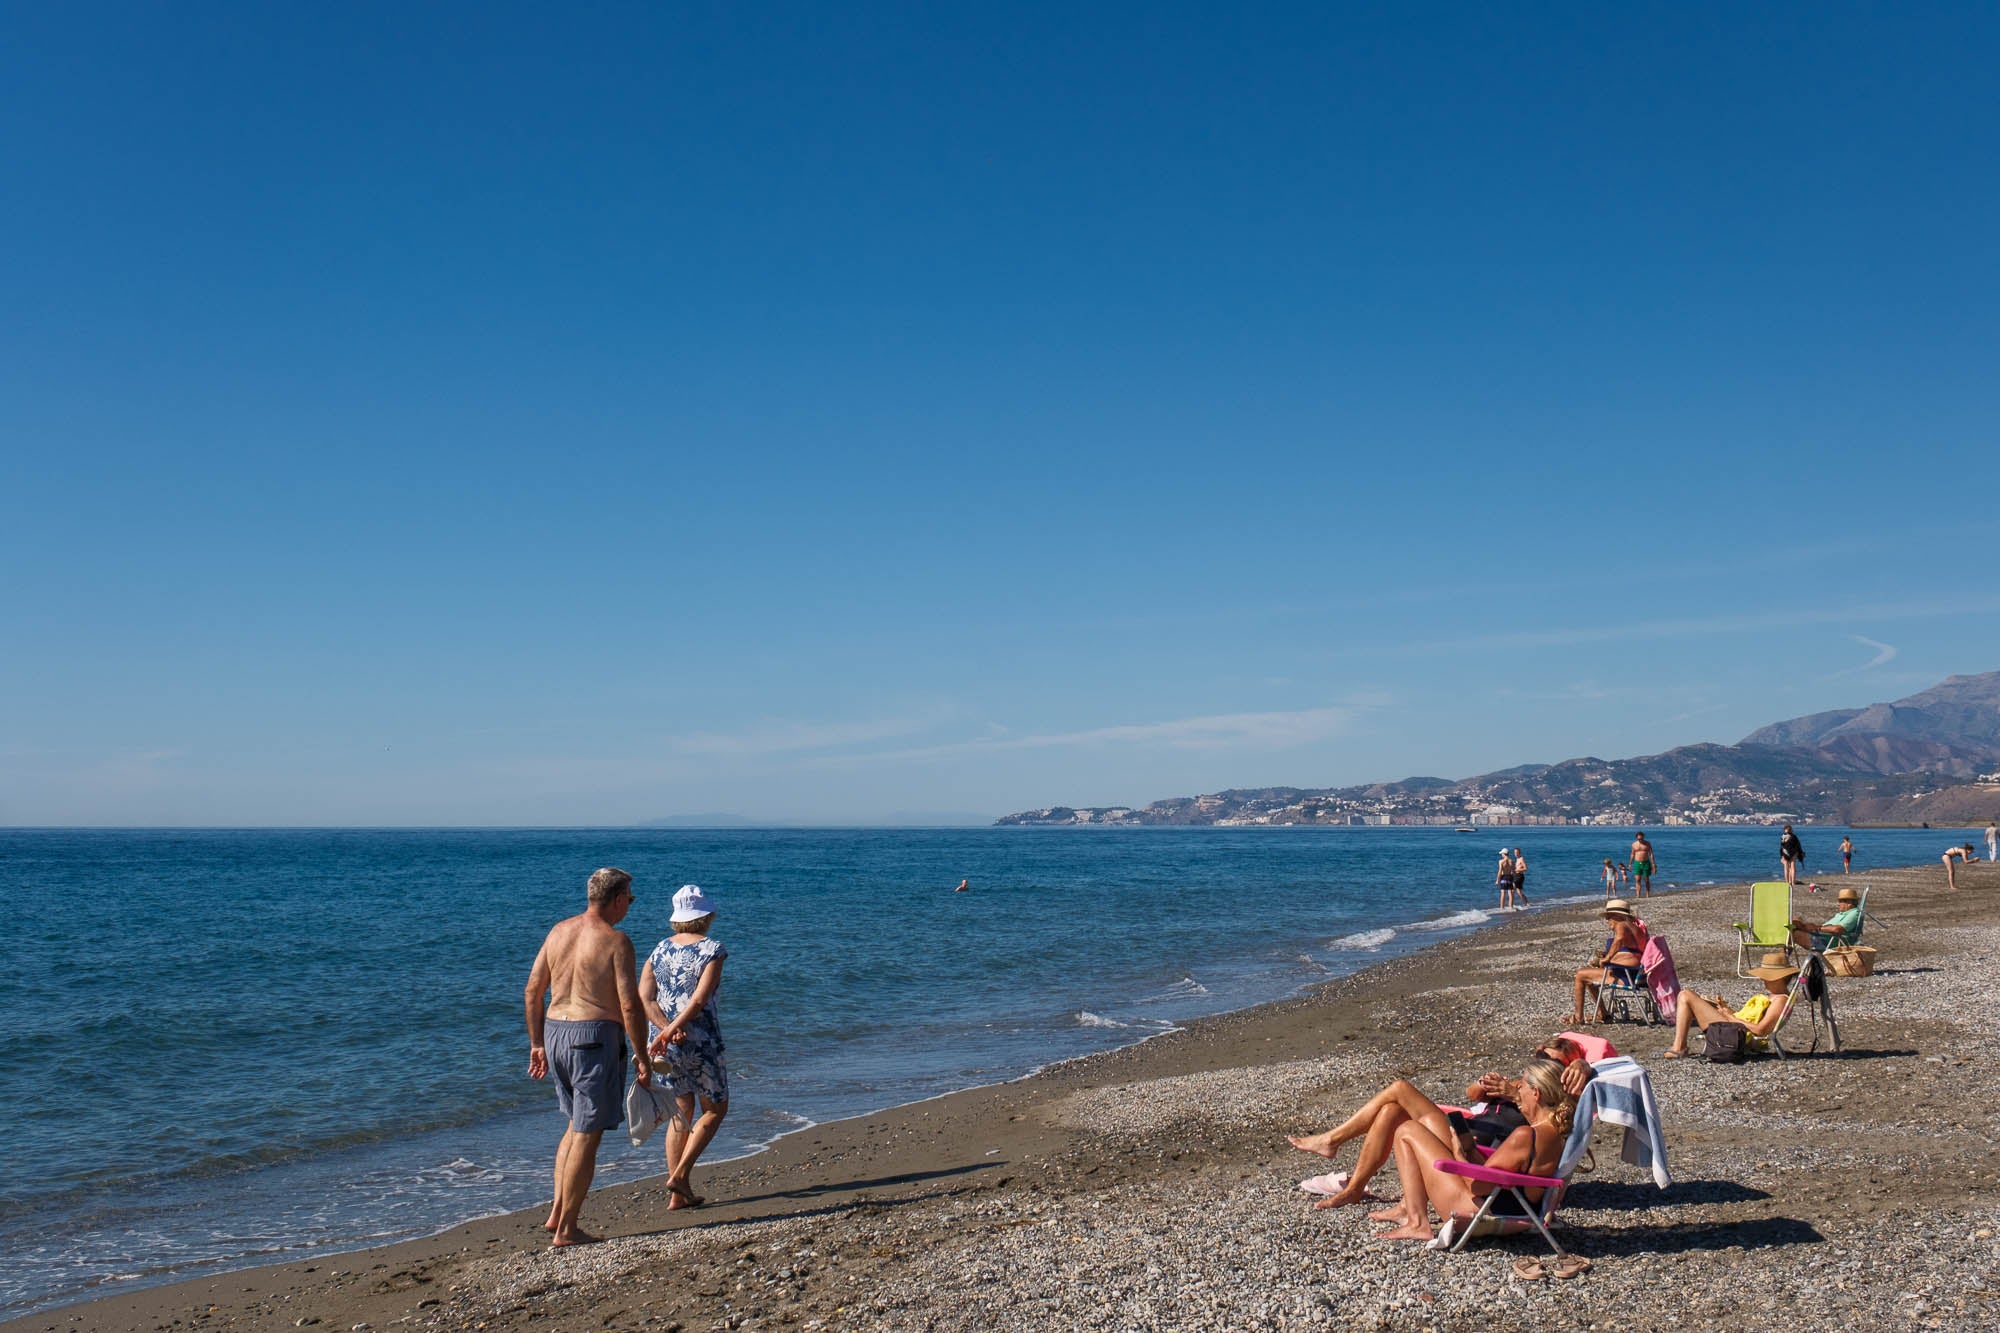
x=1858, y=961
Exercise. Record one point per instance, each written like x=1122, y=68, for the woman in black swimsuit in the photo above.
x=1534, y=1149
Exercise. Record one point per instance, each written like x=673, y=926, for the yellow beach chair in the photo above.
x=1770, y=924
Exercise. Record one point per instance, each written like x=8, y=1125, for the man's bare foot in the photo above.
x=1322, y=1144
x=1407, y=1232
x=575, y=1236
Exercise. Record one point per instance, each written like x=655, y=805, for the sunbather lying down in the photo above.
x=1400, y=1106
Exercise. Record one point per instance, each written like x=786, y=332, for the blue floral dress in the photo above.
x=693, y=1066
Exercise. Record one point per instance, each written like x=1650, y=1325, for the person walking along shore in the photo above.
x=583, y=1005
x=679, y=986
x=1790, y=853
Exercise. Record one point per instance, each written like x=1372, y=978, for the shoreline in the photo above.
x=1406, y=937
x=1410, y=937
x=1034, y=1133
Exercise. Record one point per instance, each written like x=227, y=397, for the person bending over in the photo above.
x=1954, y=857
x=1622, y=949
x=1400, y=1105
x=1534, y=1150
x=1760, y=1014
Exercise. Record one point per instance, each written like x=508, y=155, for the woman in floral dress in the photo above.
x=678, y=986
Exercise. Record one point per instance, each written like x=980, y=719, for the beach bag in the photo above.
x=647, y=1108
x=1855, y=960
x=1723, y=1043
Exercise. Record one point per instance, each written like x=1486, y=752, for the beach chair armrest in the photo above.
x=1493, y=1176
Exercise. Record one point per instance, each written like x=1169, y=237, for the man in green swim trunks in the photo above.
x=1642, y=865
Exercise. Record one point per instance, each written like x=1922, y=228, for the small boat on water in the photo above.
x=1465, y=830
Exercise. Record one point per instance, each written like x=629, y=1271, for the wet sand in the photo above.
x=1151, y=1187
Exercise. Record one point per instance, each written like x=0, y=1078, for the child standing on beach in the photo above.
x=1610, y=878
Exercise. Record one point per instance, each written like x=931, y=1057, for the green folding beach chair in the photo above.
x=1770, y=924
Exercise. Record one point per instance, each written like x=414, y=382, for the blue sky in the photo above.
x=495, y=415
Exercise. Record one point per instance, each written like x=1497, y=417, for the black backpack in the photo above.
x=1724, y=1043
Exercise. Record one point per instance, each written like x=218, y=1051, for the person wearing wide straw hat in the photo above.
x=1760, y=1014
x=1843, y=927
x=678, y=986
x=1622, y=949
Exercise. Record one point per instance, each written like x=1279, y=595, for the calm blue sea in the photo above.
x=232, y=1047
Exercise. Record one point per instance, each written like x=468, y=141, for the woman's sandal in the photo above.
x=1572, y=1265
x=1529, y=1270
x=1673, y=1055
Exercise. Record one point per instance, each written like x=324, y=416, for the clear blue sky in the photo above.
x=504, y=414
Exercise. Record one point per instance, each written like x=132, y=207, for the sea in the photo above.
x=226, y=1048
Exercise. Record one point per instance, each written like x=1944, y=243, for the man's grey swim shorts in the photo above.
x=587, y=1057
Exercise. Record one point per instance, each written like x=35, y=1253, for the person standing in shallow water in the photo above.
x=1846, y=854
x=582, y=1005
x=1642, y=865
x=1504, y=877
x=679, y=986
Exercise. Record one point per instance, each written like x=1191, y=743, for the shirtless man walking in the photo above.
x=585, y=973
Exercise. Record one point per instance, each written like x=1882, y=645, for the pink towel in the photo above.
x=1594, y=1047
x=1660, y=974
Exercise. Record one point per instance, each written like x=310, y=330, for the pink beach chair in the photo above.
x=1462, y=1227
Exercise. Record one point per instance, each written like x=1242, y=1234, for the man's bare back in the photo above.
x=582, y=989
x=589, y=965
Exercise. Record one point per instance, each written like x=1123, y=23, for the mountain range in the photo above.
x=1933, y=757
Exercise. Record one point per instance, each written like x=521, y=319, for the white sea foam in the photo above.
x=1363, y=939
x=1187, y=988
x=1086, y=1019
x=1471, y=916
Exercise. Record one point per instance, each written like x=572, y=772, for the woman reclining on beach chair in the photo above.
x=1401, y=1105
x=1535, y=1149
x=1760, y=1014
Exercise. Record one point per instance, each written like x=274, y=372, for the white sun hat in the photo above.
x=691, y=904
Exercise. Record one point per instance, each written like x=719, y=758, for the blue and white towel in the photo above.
x=1620, y=1094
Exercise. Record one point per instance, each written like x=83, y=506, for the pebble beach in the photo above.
x=1151, y=1187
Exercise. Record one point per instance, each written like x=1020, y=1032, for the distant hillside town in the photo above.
x=1931, y=758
